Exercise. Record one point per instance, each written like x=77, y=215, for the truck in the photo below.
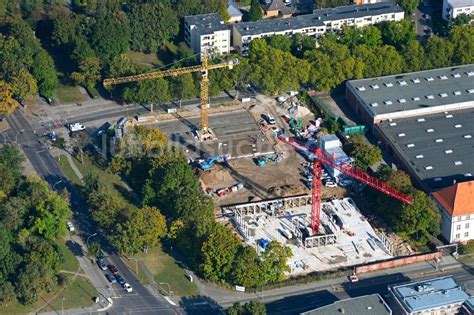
x=76, y=127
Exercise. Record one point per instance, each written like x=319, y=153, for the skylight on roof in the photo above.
x=430, y=97
x=415, y=98
x=457, y=163
x=374, y=86
x=470, y=91
x=443, y=77
x=429, y=130
x=420, y=120
x=388, y=84
x=457, y=93
x=374, y=104
x=443, y=94
x=439, y=140
x=402, y=82
x=393, y=124
x=402, y=100
x=401, y=135
x=415, y=80
x=420, y=156
x=467, y=136
x=438, y=179
x=448, y=151
x=388, y=102
x=429, y=167
x=410, y=145
x=458, y=126
x=456, y=75
x=429, y=79
x=361, y=88
x=468, y=175
x=470, y=73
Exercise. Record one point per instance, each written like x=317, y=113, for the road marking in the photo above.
x=170, y=301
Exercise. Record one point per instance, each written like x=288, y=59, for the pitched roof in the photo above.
x=233, y=9
x=278, y=5
x=457, y=199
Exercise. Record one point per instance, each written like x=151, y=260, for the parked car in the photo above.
x=330, y=184
x=113, y=269
x=270, y=119
x=120, y=279
x=70, y=227
x=102, y=264
x=76, y=127
x=111, y=278
x=127, y=287
x=281, y=99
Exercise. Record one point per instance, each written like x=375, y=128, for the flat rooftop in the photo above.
x=438, y=148
x=206, y=23
x=415, y=90
x=460, y=3
x=317, y=18
x=367, y=304
x=428, y=294
x=357, y=242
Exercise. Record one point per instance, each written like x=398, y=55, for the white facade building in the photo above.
x=457, y=212
x=453, y=8
x=207, y=32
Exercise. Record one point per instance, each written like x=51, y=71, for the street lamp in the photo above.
x=87, y=240
x=16, y=136
x=169, y=288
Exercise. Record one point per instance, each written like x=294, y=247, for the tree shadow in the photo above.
x=75, y=248
x=200, y=304
x=300, y=303
x=130, y=196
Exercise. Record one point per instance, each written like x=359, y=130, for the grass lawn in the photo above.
x=69, y=94
x=68, y=171
x=79, y=293
x=70, y=262
x=144, y=59
x=165, y=269
x=132, y=265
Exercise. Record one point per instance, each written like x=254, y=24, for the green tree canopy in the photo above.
x=438, y=52
x=255, y=12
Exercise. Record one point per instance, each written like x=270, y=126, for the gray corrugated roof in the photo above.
x=417, y=140
x=427, y=294
x=368, y=304
x=316, y=18
x=232, y=9
x=206, y=23
x=430, y=88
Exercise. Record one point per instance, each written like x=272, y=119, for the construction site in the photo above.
x=276, y=175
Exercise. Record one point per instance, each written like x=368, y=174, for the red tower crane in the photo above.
x=321, y=157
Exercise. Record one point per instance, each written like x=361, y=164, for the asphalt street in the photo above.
x=140, y=302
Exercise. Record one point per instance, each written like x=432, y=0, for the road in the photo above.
x=139, y=302
x=423, y=20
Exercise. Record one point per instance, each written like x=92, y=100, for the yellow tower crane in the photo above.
x=204, y=68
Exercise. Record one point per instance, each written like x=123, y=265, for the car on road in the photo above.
x=102, y=264
x=76, y=127
x=111, y=278
x=113, y=269
x=127, y=287
x=120, y=279
x=70, y=227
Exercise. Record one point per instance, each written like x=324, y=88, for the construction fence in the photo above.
x=398, y=262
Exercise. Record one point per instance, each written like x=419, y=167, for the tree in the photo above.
x=255, y=12
x=397, y=33
x=409, y=6
x=413, y=56
x=462, y=38
x=154, y=91
x=219, y=251
x=89, y=72
x=461, y=19
x=370, y=36
x=320, y=4
x=184, y=87
x=247, y=268
x=152, y=24
x=44, y=72
x=23, y=84
x=438, y=52
x=274, y=264
x=280, y=42
x=300, y=43
x=144, y=230
x=250, y=308
x=7, y=103
x=365, y=154
x=7, y=293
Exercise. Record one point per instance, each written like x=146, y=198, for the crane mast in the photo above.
x=321, y=157
x=204, y=68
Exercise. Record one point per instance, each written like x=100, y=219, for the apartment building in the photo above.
x=207, y=32
x=453, y=8
x=317, y=23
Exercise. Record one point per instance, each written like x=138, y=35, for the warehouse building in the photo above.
x=412, y=94
x=367, y=304
x=435, y=297
x=436, y=150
